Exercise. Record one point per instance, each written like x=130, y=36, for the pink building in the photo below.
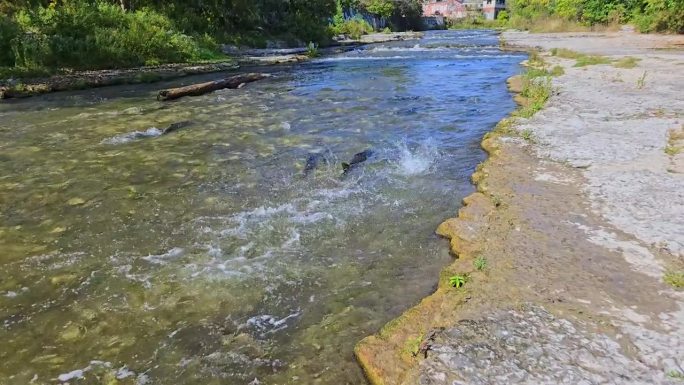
x=448, y=8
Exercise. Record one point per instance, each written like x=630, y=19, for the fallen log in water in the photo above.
x=204, y=88
x=80, y=80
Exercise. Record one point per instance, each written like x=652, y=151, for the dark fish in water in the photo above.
x=176, y=126
x=152, y=132
x=358, y=158
x=312, y=162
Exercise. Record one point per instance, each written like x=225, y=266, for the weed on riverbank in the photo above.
x=641, y=82
x=480, y=263
x=675, y=142
x=590, y=60
x=565, y=53
x=536, y=90
x=626, y=62
x=459, y=280
x=312, y=50
x=527, y=135
x=581, y=60
x=676, y=375
x=674, y=279
x=672, y=150
x=412, y=345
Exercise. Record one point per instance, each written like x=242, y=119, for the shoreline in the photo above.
x=558, y=261
x=79, y=80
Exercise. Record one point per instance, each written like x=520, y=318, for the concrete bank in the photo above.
x=578, y=215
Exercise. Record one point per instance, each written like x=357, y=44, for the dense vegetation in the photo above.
x=562, y=15
x=400, y=15
x=93, y=34
x=647, y=15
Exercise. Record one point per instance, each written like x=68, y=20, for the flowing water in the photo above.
x=209, y=255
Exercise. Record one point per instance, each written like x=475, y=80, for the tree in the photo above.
x=383, y=8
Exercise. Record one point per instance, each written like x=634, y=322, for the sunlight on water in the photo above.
x=235, y=247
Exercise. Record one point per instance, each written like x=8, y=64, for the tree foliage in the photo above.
x=113, y=33
x=383, y=8
x=648, y=15
x=402, y=14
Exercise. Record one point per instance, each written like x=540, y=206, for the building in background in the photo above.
x=435, y=12
x=450, y=9
x=473, y=7
x=491, y=8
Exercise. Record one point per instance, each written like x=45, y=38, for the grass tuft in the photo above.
x=505, y=126
x=588, y=60
x=626, y=62
x=673, y=150
x=535, y=60
x=675, y=374
x=565, y=53
x=537, y=91
x=557, y=71
x=527, y=134
x=312, y=50
x=582, y=60
x=641, y=82
x=412, y=345
x=480, y=263
x=459, y=280
x=674, y=279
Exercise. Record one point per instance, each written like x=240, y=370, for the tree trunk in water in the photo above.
x=204, y=88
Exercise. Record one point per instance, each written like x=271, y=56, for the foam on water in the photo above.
x=416, y=160
x=131, y=136
x=362, y=58
x=415, y=48
x=268, y=324
x=121, y=373
x=163, y=258
x=399, y=57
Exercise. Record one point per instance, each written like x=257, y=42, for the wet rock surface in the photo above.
x=530, y=346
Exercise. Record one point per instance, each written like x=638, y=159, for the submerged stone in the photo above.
x=76, y=201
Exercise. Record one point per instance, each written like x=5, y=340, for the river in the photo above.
x=209, y=255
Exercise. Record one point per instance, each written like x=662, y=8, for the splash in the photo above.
x=161, y=259
x=131, y=136
x=416, y=160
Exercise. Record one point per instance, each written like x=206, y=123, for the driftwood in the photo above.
x=204, y=88
x=102, y=78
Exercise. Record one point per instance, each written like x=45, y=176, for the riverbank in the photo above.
x=76, y=80
x=578, y=219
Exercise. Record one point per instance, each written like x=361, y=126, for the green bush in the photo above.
x=661, y=15
x=101, y=35
x=647, y=15
x=9, y=31
x=503, y=16
x=354, y=28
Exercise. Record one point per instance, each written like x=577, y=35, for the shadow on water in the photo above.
x=208, y=255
